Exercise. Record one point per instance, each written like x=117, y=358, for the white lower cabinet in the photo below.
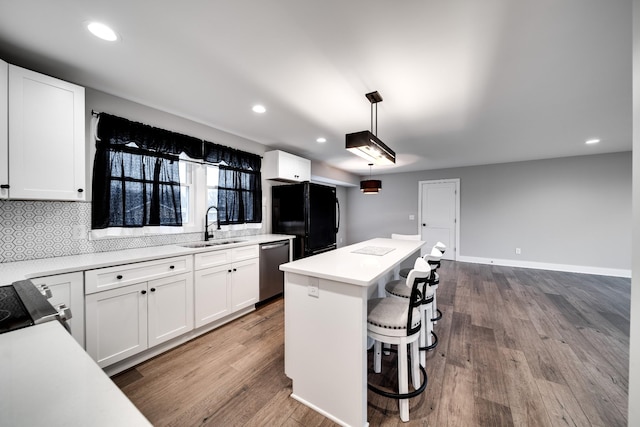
x=135, y=307
x=169, y=308
x=226, y=288
x=244, y=284
x=68, y=289
x=212, y=294
x=125, y=321
x=116, y=323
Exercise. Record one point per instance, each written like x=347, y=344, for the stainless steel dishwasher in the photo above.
x=271, y=278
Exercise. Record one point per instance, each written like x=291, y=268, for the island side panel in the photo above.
x=325, y=347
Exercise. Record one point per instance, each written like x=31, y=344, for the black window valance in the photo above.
x=215, y=153
x=115, y=132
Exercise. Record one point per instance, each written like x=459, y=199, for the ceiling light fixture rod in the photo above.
x=374, y=98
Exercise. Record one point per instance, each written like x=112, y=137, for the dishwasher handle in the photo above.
x=274, y=245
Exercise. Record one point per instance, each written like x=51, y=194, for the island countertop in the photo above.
x=361, y=264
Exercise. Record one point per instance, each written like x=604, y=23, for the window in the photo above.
x=137, y=189
x=239, y=187
x=145, y=177
x=239, y=196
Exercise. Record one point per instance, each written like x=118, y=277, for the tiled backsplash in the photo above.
x=42, y=229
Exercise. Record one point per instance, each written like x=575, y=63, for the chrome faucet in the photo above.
x=206, y=222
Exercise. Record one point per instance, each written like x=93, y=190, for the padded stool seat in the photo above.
x=389, y=316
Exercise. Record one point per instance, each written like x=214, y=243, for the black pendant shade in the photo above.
x=369, y=147
x=371, y=186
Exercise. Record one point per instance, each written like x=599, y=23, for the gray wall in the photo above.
x=568, y=211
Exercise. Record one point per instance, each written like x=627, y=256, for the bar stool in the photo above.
x=398, y=289
x=433, y=258
x=439, y=246
x=398, y=322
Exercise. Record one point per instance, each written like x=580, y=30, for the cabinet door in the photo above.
x=212, y=299
x=4, y=129
x=170, y=308
x=46, y=137
x=244, y=284
x=68, y=289
x=283, y=166
x=294, y=168
x=116, y=323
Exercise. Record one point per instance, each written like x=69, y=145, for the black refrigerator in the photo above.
x=309, y=211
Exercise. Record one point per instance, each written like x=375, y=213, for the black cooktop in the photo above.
x=13, y=314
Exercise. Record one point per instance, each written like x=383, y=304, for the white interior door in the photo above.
x=439, y=212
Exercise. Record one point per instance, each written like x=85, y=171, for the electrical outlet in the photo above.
x=518, y=251
x=314, y=291
x=78, y=232
x=412, y=217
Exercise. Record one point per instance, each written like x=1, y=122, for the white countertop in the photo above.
x=344, y=265
x=13, y=271
x=47, y=379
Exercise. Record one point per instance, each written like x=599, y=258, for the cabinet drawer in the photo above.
x=245, y=252
x=115, y=277
x=211, y=259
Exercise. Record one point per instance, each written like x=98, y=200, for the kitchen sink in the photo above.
x=210, y=243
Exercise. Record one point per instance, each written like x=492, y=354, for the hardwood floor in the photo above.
x=518, y=347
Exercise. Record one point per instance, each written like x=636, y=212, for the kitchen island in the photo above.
x=326, y=323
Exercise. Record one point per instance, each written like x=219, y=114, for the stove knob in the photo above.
x=64, y=312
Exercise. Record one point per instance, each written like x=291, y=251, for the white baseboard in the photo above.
x=546, y=266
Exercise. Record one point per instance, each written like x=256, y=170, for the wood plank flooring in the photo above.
x=518, y=347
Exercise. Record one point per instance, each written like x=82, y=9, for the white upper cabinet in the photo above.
x=281, y=166
x=4, y=130
x=46, y=138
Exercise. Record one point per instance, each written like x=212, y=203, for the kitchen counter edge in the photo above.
x=19, y=270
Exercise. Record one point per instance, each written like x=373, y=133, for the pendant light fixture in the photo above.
x=370, y=186
x=366, y=143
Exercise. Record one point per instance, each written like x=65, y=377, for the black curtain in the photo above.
x=239, y=196
x=133, y=188
x=239, y=184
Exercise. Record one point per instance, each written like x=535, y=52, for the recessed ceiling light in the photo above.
x=592, y=141
x=259, y=109
x=102, y=31
x=321, y=140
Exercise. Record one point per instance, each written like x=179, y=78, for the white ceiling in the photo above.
x=464, y=82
